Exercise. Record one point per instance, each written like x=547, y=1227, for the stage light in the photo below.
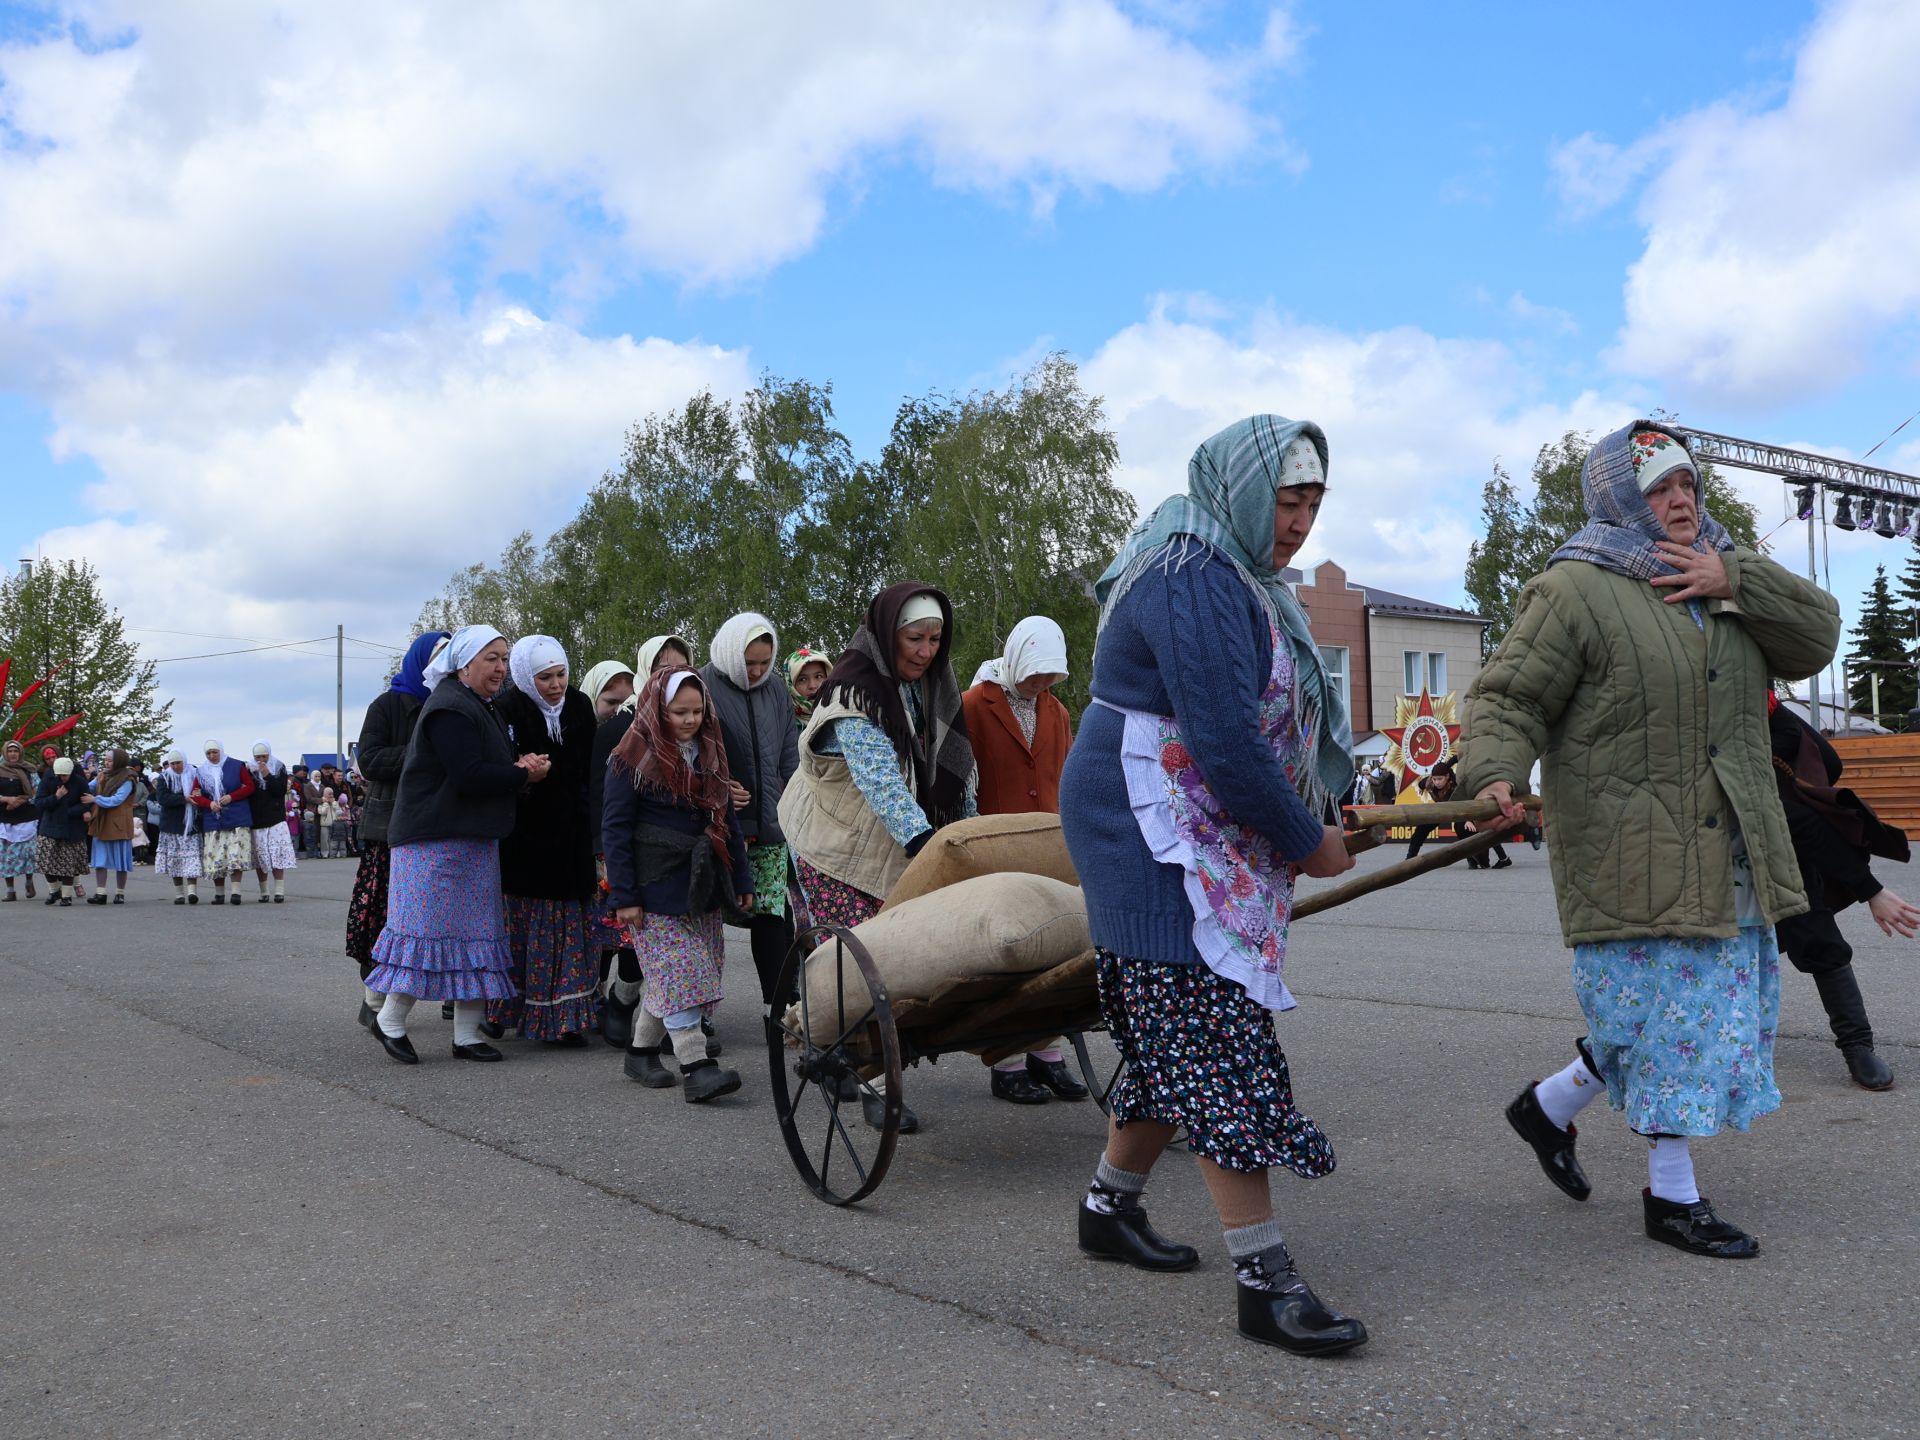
x=1883, y=526
x=1843, y=513
x=1905, y=527
x=1805, y=497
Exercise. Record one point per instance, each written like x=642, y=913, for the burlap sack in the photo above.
x=1009, y=924
x=986, y=845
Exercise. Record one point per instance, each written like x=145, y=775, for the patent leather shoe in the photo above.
x=398, y=1046
x=644, y=1066
x=479, y=1050
x=1055, y=1075
x=1552, y=1146
x=1016, y=1087
x=1278, y=1308
x=1696, y=1229
x=367, y=1012
x=1867, y=1069
x=1123, y=1234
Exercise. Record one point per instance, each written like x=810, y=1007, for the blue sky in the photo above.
x=402, y=281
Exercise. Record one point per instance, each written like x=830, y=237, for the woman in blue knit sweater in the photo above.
x=1203, y=779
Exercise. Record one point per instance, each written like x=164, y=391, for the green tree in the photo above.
x=55, y=618
x=1015, y=510
x=1880, y=650
x=1518, y=540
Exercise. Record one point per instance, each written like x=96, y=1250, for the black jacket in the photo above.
x=1833, y=831
x=60, y=816
x=172, y=802
x=9, y=785
x=630, y=808
x=459, y=781
x=605, y=740
x=267, y=805
x=763, y=746
x=382, y=754
x=549, y=855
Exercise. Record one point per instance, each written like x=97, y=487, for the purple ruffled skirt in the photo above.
x=446, y=931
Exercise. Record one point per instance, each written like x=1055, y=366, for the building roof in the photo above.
x=1385, y=602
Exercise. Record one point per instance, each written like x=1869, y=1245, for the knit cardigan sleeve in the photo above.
x=1214, y=651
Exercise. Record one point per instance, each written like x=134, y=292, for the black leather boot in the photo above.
x=645, y=1067
x=1696, y=1229
x=1278, y=1308
x=706, y=1080
x=873, y=1109
x=616, y=1022
x=1847, y=1013
x=1121, y=1232
x=1017, y=1087
x=1056, y=1077
x=1552, y=1146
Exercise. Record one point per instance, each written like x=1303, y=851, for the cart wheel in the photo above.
x=1102, y=1090
x=819, y=1086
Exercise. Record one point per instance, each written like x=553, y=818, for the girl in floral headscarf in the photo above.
x=676, y=864
x=806, y=671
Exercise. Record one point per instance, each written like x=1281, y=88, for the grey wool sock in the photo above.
x=1114, y=1189
x=689, y=1046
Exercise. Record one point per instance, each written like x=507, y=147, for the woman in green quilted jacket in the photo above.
x=1637, y=669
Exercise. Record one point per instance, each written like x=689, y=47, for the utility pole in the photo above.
x=340, y=696
x=1813, y=574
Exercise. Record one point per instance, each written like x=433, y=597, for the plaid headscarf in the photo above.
x=1620, y=533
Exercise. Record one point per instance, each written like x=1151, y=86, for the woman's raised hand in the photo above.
x=1703, y=576
x=1331, y=858
x=1894, y=915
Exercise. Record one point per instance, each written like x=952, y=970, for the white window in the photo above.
x=1423, y=669
x=1334, y=657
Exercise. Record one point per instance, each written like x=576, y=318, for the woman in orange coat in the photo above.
x=1020, y=737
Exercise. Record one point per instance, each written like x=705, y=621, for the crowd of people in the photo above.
x=559, y=856
x=65, y=815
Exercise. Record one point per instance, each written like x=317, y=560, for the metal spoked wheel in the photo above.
x=1102, y=1089
x=837, y=1055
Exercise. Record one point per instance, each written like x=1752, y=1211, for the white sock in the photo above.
x=648, y=1030
x=627, y=992
x=393, y=1014
x=1566, y=1093
x=280, y=885
x=263, y=884
x=467, y=1015
x=1670, y=1170
x=689, y=1044
x=374, y=997
x=192, y=886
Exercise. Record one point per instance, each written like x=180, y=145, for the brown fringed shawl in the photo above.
x=649, y=755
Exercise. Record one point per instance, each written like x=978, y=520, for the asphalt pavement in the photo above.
x=227, y=1212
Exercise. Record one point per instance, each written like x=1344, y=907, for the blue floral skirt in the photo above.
x=1201, y=1054
x=556, y=964
x=1682, y=1030
x=446, y=931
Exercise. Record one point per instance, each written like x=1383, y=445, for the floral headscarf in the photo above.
x=795, y=663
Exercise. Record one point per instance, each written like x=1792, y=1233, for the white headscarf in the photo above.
x=729, y=648
x=643, y=665
x=213, y=783
x=601, y=676
x=1036, y=646
x=532, y=654
x=467, y=642
x=274, y=767
x=675, y=681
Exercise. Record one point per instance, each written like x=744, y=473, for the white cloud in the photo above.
x=1780, y=241
x=235, y=166
x=280, y=502
x=1414, y=423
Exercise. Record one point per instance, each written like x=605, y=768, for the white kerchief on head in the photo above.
x=263, y=751
x=729, y=648
x=1036, y=646
x=173, y=755
x=675, y=681
x=920, y=607
x=602, y=675
x=467, y=642
x=988, y=673
x=210, y=772
x=436, y=669
x=531, y=654
x=1300, y=465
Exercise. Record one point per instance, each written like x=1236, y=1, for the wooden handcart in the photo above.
x=844, y=1045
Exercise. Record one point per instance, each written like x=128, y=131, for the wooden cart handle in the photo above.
x=1439, y=812
x=1438, y=857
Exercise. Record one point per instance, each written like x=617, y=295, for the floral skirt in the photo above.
x=1200, y=1054
x=680, y=959
x=556, y=964
x=273, y=848
x=446, y=931
x=177, y=856
x=367, y=908
x=223, y=852
x=834, y=902
x=62, y=858
x=1682, y=1030
x=17, y=856
x=769, y=864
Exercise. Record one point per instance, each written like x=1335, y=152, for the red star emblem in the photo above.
x=1423, y=741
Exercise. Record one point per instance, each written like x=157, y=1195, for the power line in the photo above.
x=254, y=650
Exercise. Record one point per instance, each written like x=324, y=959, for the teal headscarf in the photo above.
x=1232, y=482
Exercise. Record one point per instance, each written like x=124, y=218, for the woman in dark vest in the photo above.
x=446, y=931
x=19, y=835
x=763, y=751
x=176, y=853
x=546, y=864
x=110, y=812
x=267, y=811
x=381, y=753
